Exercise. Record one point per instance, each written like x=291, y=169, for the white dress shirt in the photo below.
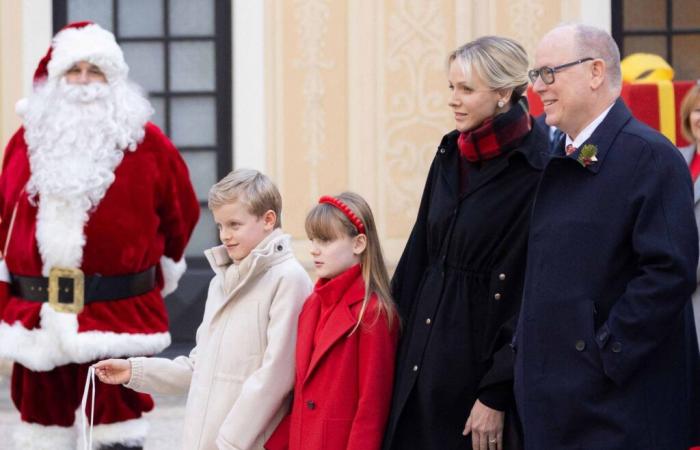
x=588, y=130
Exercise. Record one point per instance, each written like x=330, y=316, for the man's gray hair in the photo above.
x=596, y=43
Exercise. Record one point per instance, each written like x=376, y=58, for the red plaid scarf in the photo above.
x=497, y=135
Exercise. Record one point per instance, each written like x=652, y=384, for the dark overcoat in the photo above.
x=458, y=287
x=603, y=351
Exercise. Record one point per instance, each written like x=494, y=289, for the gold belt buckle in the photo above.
x=78, y=278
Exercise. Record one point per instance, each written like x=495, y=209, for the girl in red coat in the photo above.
x=347, y=336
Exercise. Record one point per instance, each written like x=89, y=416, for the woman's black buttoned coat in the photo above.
x=458, y=286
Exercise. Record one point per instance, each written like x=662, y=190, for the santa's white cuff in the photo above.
x=172, y=272
x=4, y=272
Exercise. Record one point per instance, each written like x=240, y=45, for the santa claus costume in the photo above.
x=96, y=205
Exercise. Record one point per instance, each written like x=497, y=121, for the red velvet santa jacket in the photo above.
x=148, y=212
x=343, y=385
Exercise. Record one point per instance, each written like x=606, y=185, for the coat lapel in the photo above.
x=340, y=324
x=605, y=134
x=449, y=167
x=489, y=170
x=688, y=152
x=305, y=339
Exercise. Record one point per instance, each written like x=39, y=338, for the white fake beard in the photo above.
x=76, y=136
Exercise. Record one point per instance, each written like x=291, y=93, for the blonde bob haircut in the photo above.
x=250, y=187
x=500, y=62
x=687, y=105
x=327, y=223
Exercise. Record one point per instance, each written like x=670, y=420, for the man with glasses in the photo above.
x=603, y=355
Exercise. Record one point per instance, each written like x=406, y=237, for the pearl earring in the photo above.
x=500, y=103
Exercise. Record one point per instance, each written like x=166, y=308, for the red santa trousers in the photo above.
x=53, y=400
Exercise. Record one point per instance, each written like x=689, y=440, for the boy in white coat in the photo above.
x=241, y=371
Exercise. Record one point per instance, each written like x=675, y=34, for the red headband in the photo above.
x=345, y=210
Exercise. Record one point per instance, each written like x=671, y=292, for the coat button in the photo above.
x=441, y=150
x=428, y=321
x=497, y=296
x=580, y=345
x=616, y=347
x=280, y=248
x=415, y=368
x=502, y=276
x=311, y=404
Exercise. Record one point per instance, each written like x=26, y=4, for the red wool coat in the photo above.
x=343, y=386
x=148, y=212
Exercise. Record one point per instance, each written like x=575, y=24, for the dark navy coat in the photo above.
x=458, y=287
x=603, y=354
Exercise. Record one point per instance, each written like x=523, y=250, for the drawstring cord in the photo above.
x=87, y=442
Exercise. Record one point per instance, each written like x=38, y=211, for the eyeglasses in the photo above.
x=547, y=73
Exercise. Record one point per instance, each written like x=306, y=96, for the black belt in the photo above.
x=96, y=287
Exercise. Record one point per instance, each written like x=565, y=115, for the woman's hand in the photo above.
x=486, y=426
x=113, y=371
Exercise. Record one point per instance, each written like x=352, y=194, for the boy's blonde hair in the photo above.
x=251, y=187
x=326, y=222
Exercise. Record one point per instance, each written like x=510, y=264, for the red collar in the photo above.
x=344, y=286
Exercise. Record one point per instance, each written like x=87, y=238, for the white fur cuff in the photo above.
x=4, y=273
x=172, y=272
x=32, y=436
x=129, y=433
x=58, y=342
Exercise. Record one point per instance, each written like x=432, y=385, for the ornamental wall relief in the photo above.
x=414, y=113
x=357, y=96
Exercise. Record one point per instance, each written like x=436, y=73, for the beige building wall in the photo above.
x=352, y=93
x=357, y=96
x=25, y=33
x=10, y=56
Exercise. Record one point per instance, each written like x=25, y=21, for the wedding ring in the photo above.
x=493, y=441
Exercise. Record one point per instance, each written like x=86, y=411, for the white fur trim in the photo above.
x=58, y=342
x=91, y=43
x=21, y=106
x=4, y=272
x=32, y=436
x=60, y=233
x=172, y=272
x=129, y=433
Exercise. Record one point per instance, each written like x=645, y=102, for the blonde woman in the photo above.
x=459, y=281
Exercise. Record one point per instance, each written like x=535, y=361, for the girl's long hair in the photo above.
x=326, y=223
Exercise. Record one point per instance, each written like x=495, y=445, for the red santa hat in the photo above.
x=79, y=41
x=82, y=41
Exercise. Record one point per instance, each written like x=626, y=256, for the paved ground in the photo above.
x=166, y=419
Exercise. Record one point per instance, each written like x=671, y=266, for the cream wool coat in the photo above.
x=241, y=371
